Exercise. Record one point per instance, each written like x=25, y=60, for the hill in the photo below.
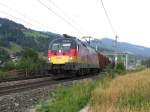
x=14, y=37
x=108, y=45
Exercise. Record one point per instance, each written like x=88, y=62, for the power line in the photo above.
x=113, y=29
x=17, y=18
x=59, y=16
x=64, y=13
x=50, y=1
x=25, y=16
x=107, y=16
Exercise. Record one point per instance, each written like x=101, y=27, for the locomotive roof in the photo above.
x=68, y=36
x=74, y=38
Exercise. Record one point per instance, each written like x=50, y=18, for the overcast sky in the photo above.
x=130, y=18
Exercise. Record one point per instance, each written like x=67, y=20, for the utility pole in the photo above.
x=126, y=61
x=116, y=49
x=116, y=43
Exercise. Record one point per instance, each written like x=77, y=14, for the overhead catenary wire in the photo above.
x=114, y=31
x=23, y=15
x=111, y=25
x=6, y=13
x=61, y=17
x=66, y=15
x=108, y=18
x=62, y=11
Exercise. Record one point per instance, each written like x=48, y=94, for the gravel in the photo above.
x=26, y=100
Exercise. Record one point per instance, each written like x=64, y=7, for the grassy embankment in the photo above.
x=70, y=99
x=123, y=93
x=128, y=93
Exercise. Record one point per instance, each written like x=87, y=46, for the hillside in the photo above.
x=14, y=37
x=108, y=44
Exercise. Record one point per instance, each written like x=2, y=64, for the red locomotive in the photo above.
x=69, y=54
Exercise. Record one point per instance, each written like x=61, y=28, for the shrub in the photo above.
x=30, y=54
x=120, y=68
x=2, y=74
x=109, y=72
x=4, y=56
x=30, y=62
x=9, y=65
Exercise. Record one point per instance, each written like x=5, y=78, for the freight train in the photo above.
x=70, y=55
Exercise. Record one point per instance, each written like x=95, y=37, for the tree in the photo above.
x=4, y=56
x=30, y=54
x=146, y=62
x=30, y=62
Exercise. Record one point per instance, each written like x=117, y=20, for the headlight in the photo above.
x=70, y=58
x=49, y=59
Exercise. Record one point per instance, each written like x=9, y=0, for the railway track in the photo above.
x=9, y=89
x=5, y=90
x=22, y=78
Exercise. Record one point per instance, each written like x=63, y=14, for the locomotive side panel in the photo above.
x=88, y=56
x=93, y=58
x=82, y=54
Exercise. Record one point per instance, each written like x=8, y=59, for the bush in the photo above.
x=2, y=74
x=4, y=56
x=10, y=65
x=30, y=62
x=146, y=61
x=30, y=54
x=112, y=72
x=120, y=68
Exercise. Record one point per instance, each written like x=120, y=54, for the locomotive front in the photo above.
x=62, y=54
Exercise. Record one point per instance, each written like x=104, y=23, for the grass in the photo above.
x=70, y=99
x=127, y=93
x=113, y=93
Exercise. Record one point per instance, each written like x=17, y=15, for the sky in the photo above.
x=130, y=18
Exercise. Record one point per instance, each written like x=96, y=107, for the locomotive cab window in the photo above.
x=62, y=44
x=65, y=47
x=55, y=47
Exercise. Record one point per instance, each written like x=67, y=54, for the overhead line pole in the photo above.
x=116, y=49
